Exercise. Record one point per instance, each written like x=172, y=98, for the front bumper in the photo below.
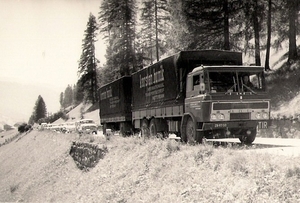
x=259, y=124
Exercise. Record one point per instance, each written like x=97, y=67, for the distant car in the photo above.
x=49, y=126
x=69, y=127
x=86, y=126
x=43, y=126
x=56, y=127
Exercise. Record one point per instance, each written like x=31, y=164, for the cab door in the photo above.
x=195, y=91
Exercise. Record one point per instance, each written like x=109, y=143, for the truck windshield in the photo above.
x=236, y=81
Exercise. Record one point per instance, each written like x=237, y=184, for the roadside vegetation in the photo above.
x=144, y=170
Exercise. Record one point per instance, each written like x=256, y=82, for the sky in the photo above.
x=40, y=44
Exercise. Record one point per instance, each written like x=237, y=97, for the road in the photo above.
x=277, y=146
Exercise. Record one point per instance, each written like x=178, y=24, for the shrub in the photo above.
x=172, y=146
x=293, y=172
x=24, y=128
x=21, y=127
x=28, y=128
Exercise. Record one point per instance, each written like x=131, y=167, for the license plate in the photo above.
x=220, y=125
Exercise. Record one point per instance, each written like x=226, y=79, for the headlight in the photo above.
x=258, y=115
x=221, y=116
x=265, y=115
x=217, y=116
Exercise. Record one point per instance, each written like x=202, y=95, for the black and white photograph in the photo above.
x=150, y=101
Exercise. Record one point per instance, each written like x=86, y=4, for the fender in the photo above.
x=185, y=117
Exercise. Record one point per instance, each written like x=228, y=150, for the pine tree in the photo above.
x=88, y=63
x=78, y=93
x=61, y=99
x=68, y=97
x=155, y=26
x=205, y=24
x=179, y=38
x=117, y=23
x=39, y=111
x=253, y=19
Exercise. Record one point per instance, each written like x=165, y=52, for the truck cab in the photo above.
x=225, y=101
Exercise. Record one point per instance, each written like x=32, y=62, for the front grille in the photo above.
x=246, y=105
x=239, y=116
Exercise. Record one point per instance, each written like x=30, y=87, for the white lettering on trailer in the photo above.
x=152, y=78
x=106, y=94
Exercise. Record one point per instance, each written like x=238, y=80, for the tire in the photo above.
x=190, y=131
x=145, y=128
x=122, y=131
x=191, y=135
x=152, y=128
x=248, y=139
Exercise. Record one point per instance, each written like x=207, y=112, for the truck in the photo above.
x=194, y=95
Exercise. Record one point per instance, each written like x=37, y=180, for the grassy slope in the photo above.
x=37, y=168
x=284, y=87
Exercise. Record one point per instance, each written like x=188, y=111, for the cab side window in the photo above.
x=196, y=82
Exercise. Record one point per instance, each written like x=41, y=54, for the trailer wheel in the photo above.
x=248, y=139
x=152, y=128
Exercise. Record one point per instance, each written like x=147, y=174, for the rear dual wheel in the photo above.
x=145, y=128
x=152, y=128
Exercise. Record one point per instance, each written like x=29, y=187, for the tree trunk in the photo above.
x=256, y=35
x=156, y=31
x=267, y=64
x=292, y=10
x=226, y=25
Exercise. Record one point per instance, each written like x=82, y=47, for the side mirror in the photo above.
x=202, y=87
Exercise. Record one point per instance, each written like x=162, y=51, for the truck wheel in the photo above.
x=145, y=128
x=122, y=131
x=248, y=139
x=192, y=136
x=152, y=128
x=104, y=128
x=190, y=131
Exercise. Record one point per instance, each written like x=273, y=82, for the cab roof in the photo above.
x=228, y=68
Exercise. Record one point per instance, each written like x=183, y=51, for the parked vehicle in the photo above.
x=55, y=127
x=86, y=126
x=193, y=94
x=69, y=127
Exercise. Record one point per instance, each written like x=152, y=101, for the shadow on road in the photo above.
x=242, y=146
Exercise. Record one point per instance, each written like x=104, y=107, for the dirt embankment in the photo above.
x=39, y=168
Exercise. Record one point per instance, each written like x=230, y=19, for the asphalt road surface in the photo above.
x=277, y=146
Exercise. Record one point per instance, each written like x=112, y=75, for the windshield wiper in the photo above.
x=248, y=88
x=230, y=90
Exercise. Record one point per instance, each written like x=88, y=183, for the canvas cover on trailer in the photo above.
x=115, y=100
x=163, y=83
